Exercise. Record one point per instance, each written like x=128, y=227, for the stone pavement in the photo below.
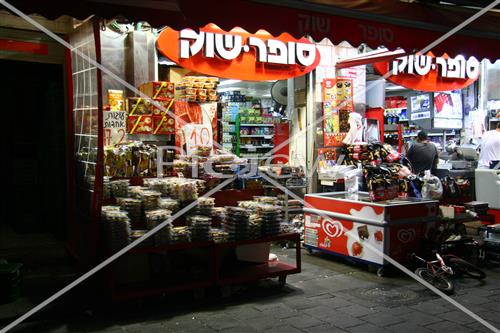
x=330, y=295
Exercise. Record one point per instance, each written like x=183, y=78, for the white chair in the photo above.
x=488, y=187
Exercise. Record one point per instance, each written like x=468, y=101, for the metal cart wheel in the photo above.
x=380, y=272
x=282, y=280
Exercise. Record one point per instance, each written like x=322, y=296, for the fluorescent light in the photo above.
x=395, y=88
x=228, y=82
x=266, y=95
x=227, y=89
x=166, y=62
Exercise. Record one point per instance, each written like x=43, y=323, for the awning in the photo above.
x=389, y=23
x=369, y=58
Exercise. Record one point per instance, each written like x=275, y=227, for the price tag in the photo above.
x=197, y=135
x=114, y=127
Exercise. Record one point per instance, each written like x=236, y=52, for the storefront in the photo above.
x=169, y=114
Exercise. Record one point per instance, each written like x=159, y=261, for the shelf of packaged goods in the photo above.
x=251, y=147
x=390, y=127
x=258, y=125
x=256, y=157
x=216, y=274
x=265, y=136
x=429, y=134
x=395, y=109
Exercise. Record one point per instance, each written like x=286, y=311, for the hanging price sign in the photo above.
x=114, y=127
x=197, y=135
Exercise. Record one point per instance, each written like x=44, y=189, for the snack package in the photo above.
x=140, y=124
x=158, y=89
x=115, y=100
x=161, y=106
x=138, y=106
x=163, y=125
x=198, y=89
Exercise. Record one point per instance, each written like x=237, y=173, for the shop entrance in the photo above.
x=34, y=147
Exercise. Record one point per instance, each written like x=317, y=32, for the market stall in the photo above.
x=148, y=154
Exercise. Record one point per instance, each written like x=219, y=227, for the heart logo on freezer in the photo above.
x=406, y=235
x=332, y=228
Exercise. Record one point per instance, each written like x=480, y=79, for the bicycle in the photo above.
x=436, y=272
x=463, y=267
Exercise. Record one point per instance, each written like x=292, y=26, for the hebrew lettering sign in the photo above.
x=430, y=73
x=238, y=54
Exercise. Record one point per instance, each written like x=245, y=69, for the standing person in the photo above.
x=423, y=155
x=490, y=148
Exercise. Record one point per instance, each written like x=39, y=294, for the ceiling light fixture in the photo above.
x=228, y=82
x=227, y=89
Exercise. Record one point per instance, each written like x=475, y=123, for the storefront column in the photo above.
x=312, y=181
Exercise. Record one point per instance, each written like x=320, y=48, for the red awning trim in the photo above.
x=277, y=19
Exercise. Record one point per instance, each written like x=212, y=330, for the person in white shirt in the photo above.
x=490, y=147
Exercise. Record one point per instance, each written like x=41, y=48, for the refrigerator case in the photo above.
x=362, y=230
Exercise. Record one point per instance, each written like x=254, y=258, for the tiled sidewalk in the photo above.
x=328, y=296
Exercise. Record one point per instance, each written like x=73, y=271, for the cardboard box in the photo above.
x=140, y=124
x=166, y=103
x=158, y=89
x=163, y=126
x=138, y=106
x=115, y=100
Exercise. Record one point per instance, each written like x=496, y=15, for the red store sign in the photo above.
x=238, y=54
x=430, y=73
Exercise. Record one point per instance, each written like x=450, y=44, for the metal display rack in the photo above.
x=217, y=273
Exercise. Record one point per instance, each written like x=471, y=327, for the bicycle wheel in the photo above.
x=438, y=281
x=461, y=266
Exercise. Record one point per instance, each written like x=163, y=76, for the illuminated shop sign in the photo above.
x=452, y=68
x=238, y=54
x=430, y=73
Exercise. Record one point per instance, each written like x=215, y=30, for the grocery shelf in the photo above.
x=258, y=125
x=215, y=274
x=394, y=109
x=256, y=157
x=269, y=136
x=261, y=146
x=428, y=134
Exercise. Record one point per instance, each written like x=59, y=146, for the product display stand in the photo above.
x=252, y=272
x=216, y=273
x=286, y=207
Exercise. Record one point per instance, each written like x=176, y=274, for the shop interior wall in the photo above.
x=298, y=120
x=129, y=55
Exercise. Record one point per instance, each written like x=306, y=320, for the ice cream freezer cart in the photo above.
x=362, y=230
